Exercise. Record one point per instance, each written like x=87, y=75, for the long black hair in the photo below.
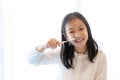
x=67, y=49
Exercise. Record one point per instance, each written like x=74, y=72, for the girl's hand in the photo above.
x=53, y=43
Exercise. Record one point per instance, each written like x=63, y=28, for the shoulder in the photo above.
x=100, y=56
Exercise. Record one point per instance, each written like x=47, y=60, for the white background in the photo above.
x=27, y=23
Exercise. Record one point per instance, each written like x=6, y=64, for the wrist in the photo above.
x=40, y=48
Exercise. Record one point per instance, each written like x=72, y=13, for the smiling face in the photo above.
x=76, y=29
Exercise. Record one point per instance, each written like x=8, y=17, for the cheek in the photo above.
x=69, y=36
x=86, y=35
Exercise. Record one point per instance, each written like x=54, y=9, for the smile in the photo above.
x=79, y=40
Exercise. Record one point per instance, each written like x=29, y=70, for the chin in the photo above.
x=79, y=45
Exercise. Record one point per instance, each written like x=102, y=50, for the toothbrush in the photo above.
x=68, y=40
x=43, y=47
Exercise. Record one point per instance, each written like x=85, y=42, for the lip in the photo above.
x=79, y=40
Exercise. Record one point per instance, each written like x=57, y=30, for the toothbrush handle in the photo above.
x=64, y=42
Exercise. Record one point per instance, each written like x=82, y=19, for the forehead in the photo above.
x=76, y=22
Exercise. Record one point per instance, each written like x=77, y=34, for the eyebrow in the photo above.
x=78, y=26
x=81, y=25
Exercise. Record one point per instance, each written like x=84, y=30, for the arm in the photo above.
x=45, y=54
x=101, y=73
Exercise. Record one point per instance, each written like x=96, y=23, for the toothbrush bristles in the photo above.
x=68, y=40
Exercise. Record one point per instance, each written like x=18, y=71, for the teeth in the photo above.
x=72, y=39
x=79, y=40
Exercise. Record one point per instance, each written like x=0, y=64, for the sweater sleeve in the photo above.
x=101, y=72
x=48, y=56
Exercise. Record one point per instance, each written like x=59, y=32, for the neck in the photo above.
x=80, y=50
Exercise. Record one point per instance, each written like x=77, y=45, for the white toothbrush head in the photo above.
x=72, y=39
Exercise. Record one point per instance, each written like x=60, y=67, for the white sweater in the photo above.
x=83, y=68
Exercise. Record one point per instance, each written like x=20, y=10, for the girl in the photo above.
x=77, y=54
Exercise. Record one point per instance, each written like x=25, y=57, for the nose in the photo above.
x=77, y=34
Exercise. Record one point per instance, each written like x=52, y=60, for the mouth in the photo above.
x=79, y=40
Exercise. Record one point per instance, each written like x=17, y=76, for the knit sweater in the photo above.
x=83, y=68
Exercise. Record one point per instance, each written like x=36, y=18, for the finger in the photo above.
x=58, y=43
x=51, y=43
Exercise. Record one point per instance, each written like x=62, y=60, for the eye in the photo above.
x=71, y=31
x=81, y=29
